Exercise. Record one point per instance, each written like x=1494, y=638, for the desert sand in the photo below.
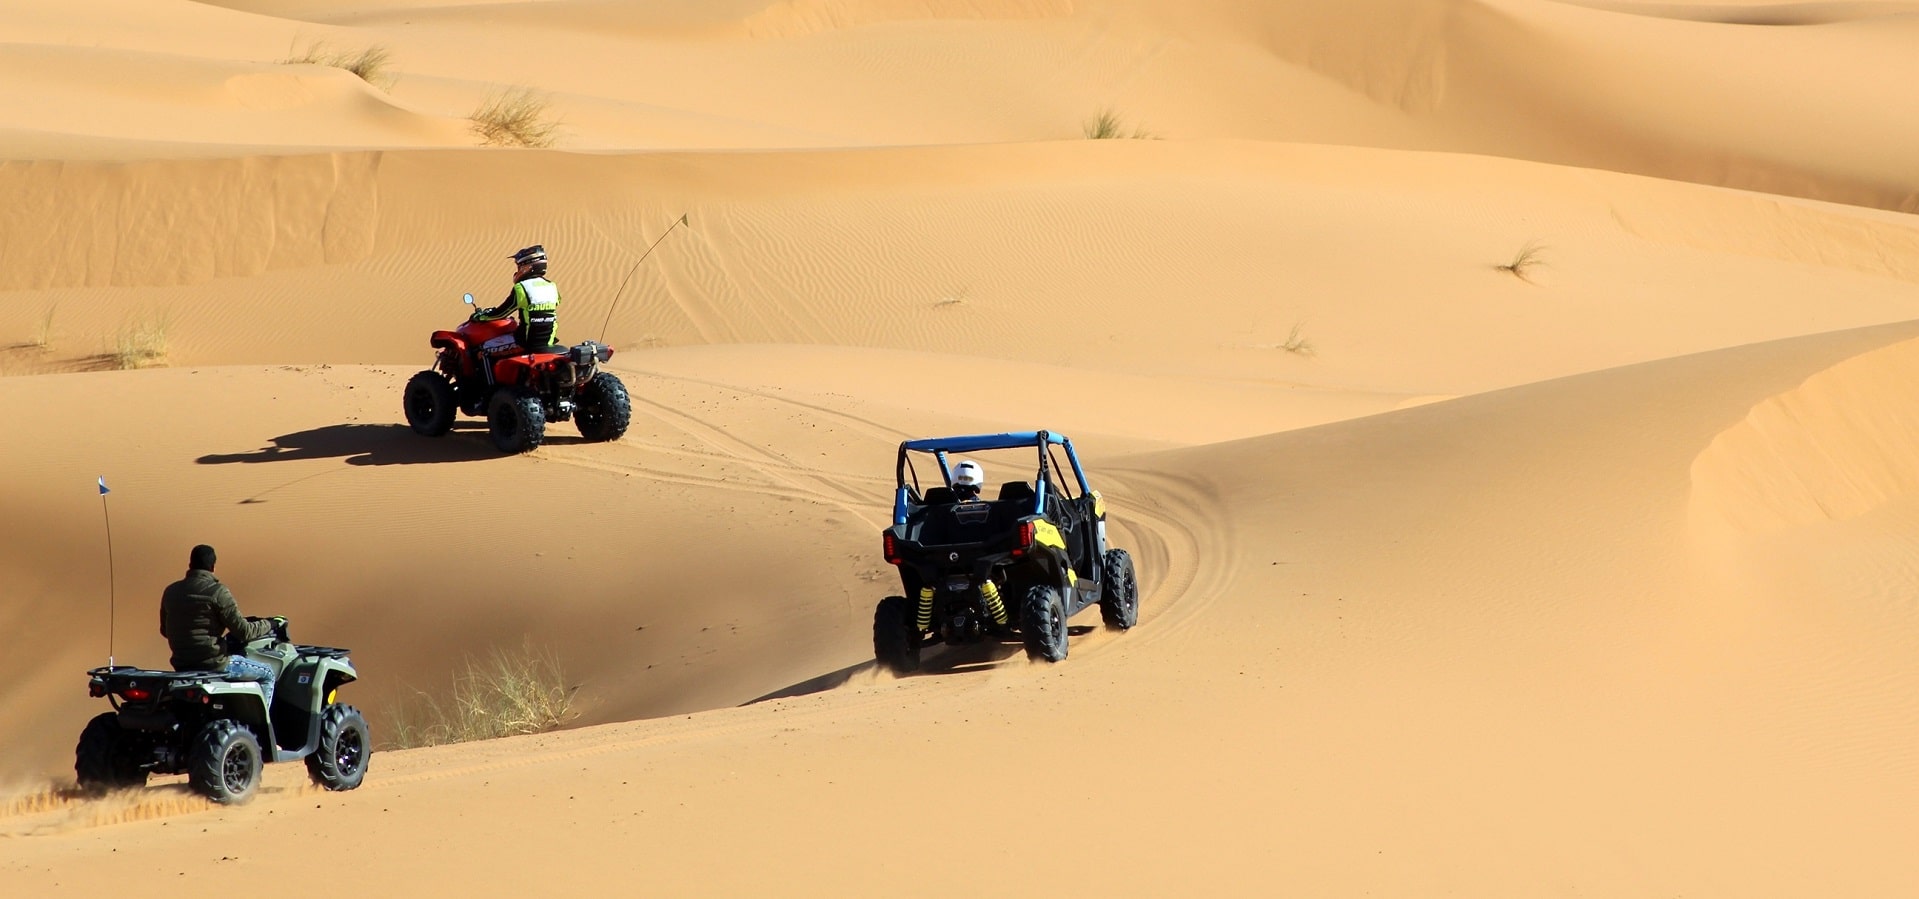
x=1595, y=577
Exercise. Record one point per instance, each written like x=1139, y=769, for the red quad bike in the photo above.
x=480, y=372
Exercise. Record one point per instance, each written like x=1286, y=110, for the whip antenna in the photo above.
x=109, y=520
x=630, y=272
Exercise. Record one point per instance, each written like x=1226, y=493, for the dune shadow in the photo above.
x=937, y=660
x=369, y=444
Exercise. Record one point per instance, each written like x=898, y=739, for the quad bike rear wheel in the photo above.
x=104, y=759
x=224, y=765
x=516, y=421
x=1118, y=591
x=339, y=762
x=604, y=410
x=1042, y=623
x=896, y=642
x=429, y=404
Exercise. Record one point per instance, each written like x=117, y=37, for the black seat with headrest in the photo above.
x=938, y=495
x=1016, y=491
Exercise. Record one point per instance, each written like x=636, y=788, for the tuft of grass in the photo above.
x=43, y=334
x=1296, y=344
x=1529, y=256
x=371, y=64
x=958, y=297
x=517, y=117
x=139, y=343
x=1107, y=125
x=510, y=692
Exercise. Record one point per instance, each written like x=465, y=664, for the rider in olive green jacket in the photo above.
x=197, y=611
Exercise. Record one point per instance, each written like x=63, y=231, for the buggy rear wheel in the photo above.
x=104, y=758
x=896, y=639
x=429, y=404
x=225, y=763
x=1042, y=623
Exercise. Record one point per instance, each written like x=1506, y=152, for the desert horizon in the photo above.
x=1506, y=406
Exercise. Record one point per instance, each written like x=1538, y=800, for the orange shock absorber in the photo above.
x=989, y=591
x=926, y=609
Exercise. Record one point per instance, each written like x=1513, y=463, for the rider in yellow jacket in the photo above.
x=534, y=299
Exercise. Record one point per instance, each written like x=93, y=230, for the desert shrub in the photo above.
x=371, y=64
x=517, y=117
x=140, y=342
x=1107, y=125
x=510, y=692
x=1523, y=261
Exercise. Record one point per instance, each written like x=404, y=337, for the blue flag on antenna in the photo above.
x=103, y=486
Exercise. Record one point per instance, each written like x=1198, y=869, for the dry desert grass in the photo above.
x=515, y=117
x=372, y=64
x=507, y=693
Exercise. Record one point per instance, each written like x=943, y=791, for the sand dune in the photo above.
x=1518, y=78
x=1427, y=644
x=1588, y=575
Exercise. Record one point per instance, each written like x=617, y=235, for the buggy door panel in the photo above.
x=1074, y=516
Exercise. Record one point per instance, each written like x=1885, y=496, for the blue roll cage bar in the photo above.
x=940, y=447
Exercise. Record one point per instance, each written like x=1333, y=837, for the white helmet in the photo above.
x=969, y=474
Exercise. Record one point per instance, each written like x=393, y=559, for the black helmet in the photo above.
x=533, y=255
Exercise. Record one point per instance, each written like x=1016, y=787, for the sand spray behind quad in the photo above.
x=45, y=808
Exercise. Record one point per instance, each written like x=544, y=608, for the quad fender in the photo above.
x=449, y=340
x=309, y=682
x=333, y=674
x=243, y=702
x=302, y=698
x=514, y=370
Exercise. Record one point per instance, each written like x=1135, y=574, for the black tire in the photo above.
x=224, y=765
x=516, y=421
x=429, y=404
x=604, y=409
x=896, y=638
x=104, y=758
x=1118, y=591
x=340, y=761
x=1042, y=623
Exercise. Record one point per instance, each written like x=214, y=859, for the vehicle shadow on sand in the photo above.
x=935, y=661
x=369, y=444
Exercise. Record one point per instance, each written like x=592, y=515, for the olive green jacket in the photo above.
x=195, y=612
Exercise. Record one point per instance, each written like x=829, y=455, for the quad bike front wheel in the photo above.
x=604, y=410
x=339, y=762
x=1118, y=591
x=104, y=759
x=224, y=765
x=516, y=421
x=429, y=404
x=1042, y=623
x=896, y=643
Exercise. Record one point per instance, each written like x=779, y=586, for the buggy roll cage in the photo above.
x=907, y=484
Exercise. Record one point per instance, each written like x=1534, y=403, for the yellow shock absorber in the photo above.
x=926, y=609
x=989, y=591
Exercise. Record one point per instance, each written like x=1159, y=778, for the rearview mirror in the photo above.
x=467, y=299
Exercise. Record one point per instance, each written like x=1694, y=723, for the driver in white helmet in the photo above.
x=968, y=479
